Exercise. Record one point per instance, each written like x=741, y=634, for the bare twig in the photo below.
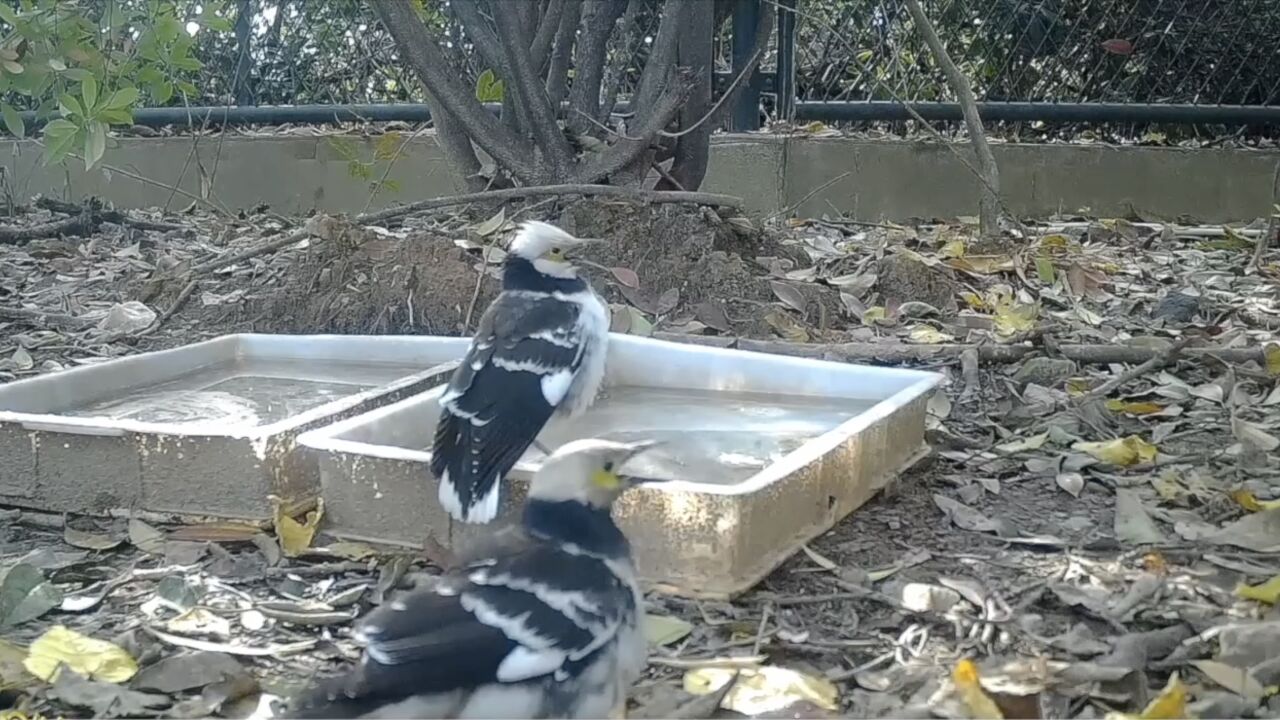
x=541, y=115
x=1156, y=362
x=39, y=318
x=648, y=196
x=896, y=352
x=1273, y=224
x=261, y=249
x=80, y=224
x=988, y=206
x=111, y=216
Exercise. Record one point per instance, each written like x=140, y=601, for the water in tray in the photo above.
x=713, y=437
x=246, y=392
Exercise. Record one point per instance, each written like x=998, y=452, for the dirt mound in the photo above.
x=707, y=260
x=705, y=265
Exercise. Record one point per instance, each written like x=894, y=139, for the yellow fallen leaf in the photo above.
x=1015, y=318
x=982, y=264
x=199, y=621
x=928, y=335
x=1267, y=592
x=1271, y=351
x=1170, y=704
x=876, y=315
x=59, y=647
x=1121, y=451
x=1154, y=563
x=976, y=701
x=1056, y=243
x=953, y=249
x=761, y=690
x=973, y=300
x=1134, y=408
x=1078, y=386
x=295, y=537
x=1247, y=500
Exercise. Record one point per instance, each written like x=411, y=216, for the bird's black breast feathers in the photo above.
x=542, y=614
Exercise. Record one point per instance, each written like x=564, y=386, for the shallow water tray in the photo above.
x=207, y=429
x=765, y=452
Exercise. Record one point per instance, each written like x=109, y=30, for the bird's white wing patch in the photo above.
x=523, y=663
x=556, y=385
x=448, y=495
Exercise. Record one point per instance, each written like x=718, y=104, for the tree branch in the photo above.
x=988, y=203
x=540, y=49
x=598, y=20
x=628, y=148
x=615, y=71
x=541, y=115
x=562, y=52
x=420, y=51
x=662, y=55
x=693, y=52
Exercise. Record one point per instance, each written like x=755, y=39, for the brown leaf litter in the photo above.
x=1093, y=541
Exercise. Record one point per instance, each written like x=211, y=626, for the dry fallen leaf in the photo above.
x=976, y=701
x=1237, y=680
x=626, y=276
x=761, y=690
x=1253, y=435
x=59, y=647
x=1248, y=501
x=1121, y=451
x=1134, y=408
x=789, y=295
x=928, y=335
x=1267, y=592
x=1170, y=704
x=665, y=629
x=1015, y=318
x=295, y=537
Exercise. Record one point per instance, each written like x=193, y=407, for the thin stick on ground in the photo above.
x=1138, y=371
x=1273, y=224
x=647, y=196
x=988, y=205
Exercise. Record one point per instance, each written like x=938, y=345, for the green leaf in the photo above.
x=218, y=24
x=26, y=595
x=89, y=91
x=116, y=117
x=188, y=88
x=489, y=89
x=60, y=128
x=95, y=144
x=162, y=92
x=78, y=74
x=1044, y=270
x=70, y=106
x=13, y=121
x=121, y=99
x=8, y=15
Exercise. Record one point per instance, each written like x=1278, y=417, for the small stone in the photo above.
x=921, y=597
x=1045, y=371
x=1177, y=308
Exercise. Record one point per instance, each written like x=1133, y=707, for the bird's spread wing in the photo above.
x=542, y=612
x=516, y=372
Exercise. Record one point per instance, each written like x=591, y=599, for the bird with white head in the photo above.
x=546, y=626
x=539, y=349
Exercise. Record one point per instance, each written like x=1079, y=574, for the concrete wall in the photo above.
x=885, y=179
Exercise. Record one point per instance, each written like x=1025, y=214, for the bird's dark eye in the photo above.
x=608, y=467
x=555, y=251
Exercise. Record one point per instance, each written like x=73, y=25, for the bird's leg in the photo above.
x=436, y=553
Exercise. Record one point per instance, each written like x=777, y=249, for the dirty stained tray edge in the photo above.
x=55, y=422
x=326, y=439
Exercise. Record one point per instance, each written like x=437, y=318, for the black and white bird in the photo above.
x=540, y=348
x=546, y=626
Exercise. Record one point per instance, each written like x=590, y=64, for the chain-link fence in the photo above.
x=1219, y=52
x=830, y=59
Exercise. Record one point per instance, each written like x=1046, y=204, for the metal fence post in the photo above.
x=784, y=84
x=746, y=107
